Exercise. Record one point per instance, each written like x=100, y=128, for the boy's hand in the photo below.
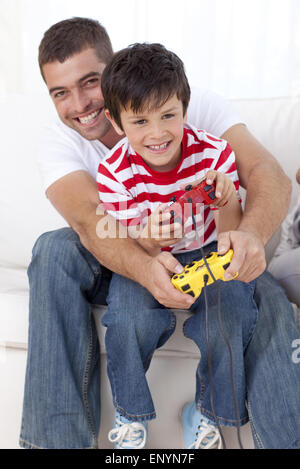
x=159, y=232
x=225, y=188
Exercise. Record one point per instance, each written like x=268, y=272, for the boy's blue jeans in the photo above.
x=61, y=400
x=137, y=325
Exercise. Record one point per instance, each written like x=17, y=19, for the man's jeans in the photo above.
x=61, y=400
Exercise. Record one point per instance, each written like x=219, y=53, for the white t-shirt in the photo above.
x=61, y=150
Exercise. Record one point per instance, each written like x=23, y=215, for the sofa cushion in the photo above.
x=14, y=301
x=275, y=123
x=13, y=307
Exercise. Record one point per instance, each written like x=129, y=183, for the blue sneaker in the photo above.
x=199, y=432
x=127, y=434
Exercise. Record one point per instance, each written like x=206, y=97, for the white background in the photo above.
x=237, y=48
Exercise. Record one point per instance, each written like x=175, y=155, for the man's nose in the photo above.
x=81, y=102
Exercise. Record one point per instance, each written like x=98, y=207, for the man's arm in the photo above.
x=75, y=197
x=228, y=217
x=267, y=201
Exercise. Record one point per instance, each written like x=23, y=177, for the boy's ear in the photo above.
x=113, y=123
x=185, y=117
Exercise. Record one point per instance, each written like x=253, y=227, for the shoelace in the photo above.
x=208, y=437
x=128, y=435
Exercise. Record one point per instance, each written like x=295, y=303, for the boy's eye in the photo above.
x=140, y=122
x=168, y=116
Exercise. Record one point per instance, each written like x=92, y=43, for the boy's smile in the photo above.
x=155, y=134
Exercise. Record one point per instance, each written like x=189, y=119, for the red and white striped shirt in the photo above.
x=130, y=190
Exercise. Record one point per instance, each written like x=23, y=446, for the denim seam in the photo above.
x=221, y=420
x=254, y=431
x=202, y=385
x=86, y=379
x=183, y=329
x=137, y=418
x=172, y=323
x=252, y=330
x=96, y=271
x=26, y=445
x=112, y=380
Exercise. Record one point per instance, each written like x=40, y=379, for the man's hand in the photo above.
x=248, y=254
x=159, y=284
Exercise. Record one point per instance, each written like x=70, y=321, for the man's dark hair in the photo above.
x=143, y=76
x=71, y=36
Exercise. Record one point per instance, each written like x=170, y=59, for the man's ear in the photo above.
x=113, y=123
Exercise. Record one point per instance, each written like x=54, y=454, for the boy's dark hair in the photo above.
x=143, y=76
x=72, y=36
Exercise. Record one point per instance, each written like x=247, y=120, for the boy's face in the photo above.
x=155, y=135
x=75, y=88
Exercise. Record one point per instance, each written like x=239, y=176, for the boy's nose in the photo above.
x=156, y=131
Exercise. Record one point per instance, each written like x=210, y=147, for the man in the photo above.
x=70, y=268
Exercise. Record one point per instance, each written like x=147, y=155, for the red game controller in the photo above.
x=202, y=194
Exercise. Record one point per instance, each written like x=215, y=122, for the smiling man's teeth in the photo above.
x=89, y=118
x=158, y=147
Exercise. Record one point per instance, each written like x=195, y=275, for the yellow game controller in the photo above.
x=196, y=274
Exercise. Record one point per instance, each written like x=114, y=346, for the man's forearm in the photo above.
x=268, y=187
x=267, y=201
x=113, y=248
x=229, y=216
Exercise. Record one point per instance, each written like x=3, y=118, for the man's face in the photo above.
x=75, y=88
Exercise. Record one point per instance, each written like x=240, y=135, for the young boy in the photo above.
x=146, y=95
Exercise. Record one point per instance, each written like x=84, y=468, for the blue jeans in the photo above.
x=61, y=406
x=137, y=325
x=61, y=399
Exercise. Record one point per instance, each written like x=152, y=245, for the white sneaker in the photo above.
x=127, y=434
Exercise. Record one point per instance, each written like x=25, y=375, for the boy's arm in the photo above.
x=75, y=197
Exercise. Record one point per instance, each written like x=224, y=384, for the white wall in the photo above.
x=238, y=48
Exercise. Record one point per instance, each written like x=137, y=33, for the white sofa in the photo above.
x=25, y=213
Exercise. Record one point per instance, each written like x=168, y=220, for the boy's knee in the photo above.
x=141, y=323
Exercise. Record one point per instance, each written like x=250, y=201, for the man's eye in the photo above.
x=92, y=81
x=59, y=94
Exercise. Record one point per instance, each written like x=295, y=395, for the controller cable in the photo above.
x=225, y=337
